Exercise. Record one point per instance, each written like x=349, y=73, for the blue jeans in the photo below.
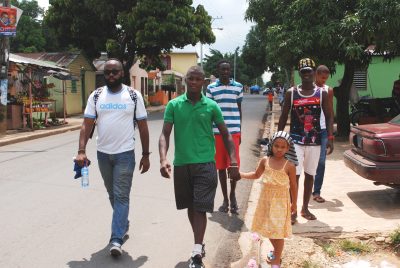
x=319, y=176
x=117, y=172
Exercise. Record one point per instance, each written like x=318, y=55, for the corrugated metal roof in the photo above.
x=26, y=60
x=62, y=59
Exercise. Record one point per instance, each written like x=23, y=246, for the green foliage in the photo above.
x=310, y=264
x=330, y=249
x=244, y=72
x=129, y=29
x=330, y=32
x=395, y=238
x=357, y=247
x=32, y=34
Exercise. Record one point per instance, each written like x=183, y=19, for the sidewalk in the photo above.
x=73, y=123
x=354, y=206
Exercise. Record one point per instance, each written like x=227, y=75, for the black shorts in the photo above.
x=195, y=186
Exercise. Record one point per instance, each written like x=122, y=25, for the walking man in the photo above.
x=195, y=174
x=322, y=74
x=229, y=95
x=304, y=102
x=115, y=108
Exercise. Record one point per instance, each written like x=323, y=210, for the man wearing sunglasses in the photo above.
x=115, y=110
x=305, y=103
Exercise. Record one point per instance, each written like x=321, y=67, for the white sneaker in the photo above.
x=115, y=249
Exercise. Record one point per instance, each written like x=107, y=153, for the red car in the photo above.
x=376, y=152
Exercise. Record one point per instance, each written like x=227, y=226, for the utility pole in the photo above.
x=201, y=44
x=234, y=64
x=4, y=55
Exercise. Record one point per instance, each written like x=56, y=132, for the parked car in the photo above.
x=376, y=152
x=255, y=89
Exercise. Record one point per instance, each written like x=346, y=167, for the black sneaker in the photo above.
x=196, y=262
x=115, y=249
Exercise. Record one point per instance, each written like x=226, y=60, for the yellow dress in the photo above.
x=272, y=217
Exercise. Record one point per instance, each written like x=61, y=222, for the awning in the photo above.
x=28, y=61
x=174, y=73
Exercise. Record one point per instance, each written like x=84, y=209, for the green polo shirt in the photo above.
x=193, y=129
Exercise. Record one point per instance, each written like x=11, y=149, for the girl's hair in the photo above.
x=291, y=154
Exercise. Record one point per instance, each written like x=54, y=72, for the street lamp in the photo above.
x=201, y=46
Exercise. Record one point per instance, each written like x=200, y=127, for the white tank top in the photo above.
x=322, y=121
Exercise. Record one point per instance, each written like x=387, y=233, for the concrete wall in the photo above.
x=380, y=77
x=181, y=62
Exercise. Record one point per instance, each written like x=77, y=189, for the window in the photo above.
x=360, y=79
x=73, y=86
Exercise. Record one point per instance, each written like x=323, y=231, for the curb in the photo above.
x=32, y=135
x=39, y=135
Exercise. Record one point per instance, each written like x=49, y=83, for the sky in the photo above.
x=228, y=16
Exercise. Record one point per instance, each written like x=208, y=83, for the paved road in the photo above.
x=47, y=220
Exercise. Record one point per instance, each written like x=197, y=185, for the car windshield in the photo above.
x=396, y=120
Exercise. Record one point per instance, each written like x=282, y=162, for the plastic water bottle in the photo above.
x=85, y=177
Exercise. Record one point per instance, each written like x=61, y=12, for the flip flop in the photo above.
x=224, y=207
x=309, y=216
x=318, y=199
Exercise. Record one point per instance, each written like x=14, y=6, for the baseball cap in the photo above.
x=306, y=64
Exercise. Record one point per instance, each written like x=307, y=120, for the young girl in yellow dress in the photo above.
x=272, y=217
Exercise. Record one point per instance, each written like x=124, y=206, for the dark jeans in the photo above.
x=117, y=173
x=319, y=176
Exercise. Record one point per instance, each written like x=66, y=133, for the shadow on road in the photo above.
x=316, y=226
x=102, y=258
x=378, y=203
x=333, y=205
x=230, y=222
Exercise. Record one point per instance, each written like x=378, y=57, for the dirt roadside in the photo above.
x=357, y=216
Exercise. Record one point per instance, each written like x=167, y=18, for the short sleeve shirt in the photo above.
x=227, y=97
x=115, y=119
x=194, y=138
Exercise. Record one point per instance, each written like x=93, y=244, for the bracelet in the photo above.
x=146, y=153
x=81, y=151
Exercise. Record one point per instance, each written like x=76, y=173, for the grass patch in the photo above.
x=329, y=249
x=310, y=264
x=395, y=239
x=357, y=247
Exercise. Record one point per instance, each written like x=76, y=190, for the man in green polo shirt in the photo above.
x=195, y=175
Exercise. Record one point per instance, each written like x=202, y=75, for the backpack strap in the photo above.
x=96, y=96
x=133, y=95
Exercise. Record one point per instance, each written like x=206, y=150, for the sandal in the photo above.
x=293, y=218
x=234, y=207
x=224, y=207
x=270, y=257
x=308, y=215
x=318, y=199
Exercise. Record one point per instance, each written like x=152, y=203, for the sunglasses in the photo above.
x=113, y=71
x=306, y=71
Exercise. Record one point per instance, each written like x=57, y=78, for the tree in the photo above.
x=32, y=34
x=331, y=32
x=129, y=29
x=244, y=72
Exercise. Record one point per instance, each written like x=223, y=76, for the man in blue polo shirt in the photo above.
x=228, y=94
